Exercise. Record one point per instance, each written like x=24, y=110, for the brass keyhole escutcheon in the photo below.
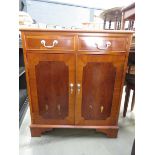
x=58, y=106
x=101, y=108
x=90, y=106
x=46, y=107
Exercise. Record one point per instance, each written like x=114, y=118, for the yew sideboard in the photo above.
x=75, y=78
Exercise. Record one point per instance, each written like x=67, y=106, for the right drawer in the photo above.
x=100, y=43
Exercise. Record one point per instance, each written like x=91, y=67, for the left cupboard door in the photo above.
x=51, y=79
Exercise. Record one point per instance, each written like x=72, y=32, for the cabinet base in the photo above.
x=37, y=130
x=111, y=133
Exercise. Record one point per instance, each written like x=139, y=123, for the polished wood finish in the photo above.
x=110, y=132
x=89, y=43
x=36, y=132
x=73, y=31
x=54, y=91
x=51, y=99
x=97, y=90
x=74, y=85
x=33, y=41
x=102, y=92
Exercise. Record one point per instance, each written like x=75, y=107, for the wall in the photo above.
x=58, y=14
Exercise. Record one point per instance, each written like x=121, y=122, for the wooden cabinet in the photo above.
x=75, y=78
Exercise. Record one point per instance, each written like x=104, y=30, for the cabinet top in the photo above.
x=77, y=31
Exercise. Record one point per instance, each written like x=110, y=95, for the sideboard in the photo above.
x=75, y=78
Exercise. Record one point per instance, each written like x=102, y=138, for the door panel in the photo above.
x=52, y=79
x=50, y=76
x=99, y=78
x=96, y=102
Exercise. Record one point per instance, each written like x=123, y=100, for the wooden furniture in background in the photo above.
x=130, y=81
x=23, y=104
x=128, y=14
x=112, y=15
x=130, y=85
x=75, y=78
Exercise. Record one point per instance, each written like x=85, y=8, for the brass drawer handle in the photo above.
x=108, y=44
x=43, y=42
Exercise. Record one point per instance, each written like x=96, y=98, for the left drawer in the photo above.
x=47, y=41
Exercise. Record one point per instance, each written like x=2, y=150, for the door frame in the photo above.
x=119, y=61
x=32, y=60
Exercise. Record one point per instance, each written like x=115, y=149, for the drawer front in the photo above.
x=50, y=42
x=100, y=43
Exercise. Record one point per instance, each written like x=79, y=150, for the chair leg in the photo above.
x=133, y=101
x=126, y=101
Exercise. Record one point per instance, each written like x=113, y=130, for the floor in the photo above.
x=78, y=141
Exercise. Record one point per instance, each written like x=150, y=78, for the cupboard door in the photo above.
x=51, y=81
x=99, y=85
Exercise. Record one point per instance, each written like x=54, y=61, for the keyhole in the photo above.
x=90, y=106
x=58, y=106
x=46, y=107
x=102, y=108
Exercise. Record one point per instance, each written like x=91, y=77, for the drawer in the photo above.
x=50, y=42
x=98, y=43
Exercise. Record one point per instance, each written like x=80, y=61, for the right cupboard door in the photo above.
x=99, y=85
